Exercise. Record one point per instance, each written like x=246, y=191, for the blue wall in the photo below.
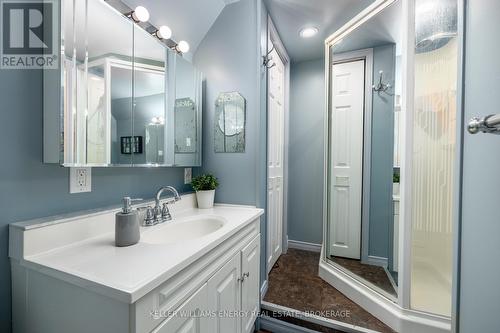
x=30, y=189
x=382, y=155
x=305, y=162
x=229, y=57
x=305, y=196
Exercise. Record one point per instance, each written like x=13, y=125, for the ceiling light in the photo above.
x=182, y=47
x=140, y=14
x=164, y=32
x=308, y=32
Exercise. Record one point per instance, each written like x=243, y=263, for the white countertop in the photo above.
x=129, y=273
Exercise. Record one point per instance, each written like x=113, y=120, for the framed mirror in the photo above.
x=362, y=202
x=115, y=99
x=229, y=123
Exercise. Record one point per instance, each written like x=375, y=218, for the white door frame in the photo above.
x=272, y=35
x=367, y=56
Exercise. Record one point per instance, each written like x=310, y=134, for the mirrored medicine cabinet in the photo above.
x=120, y=96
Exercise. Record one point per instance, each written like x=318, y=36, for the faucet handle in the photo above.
x=127, y=204
x=150, y=216
x=165, y=212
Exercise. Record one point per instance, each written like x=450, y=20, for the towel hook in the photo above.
x=381, y=86
x=267, y=59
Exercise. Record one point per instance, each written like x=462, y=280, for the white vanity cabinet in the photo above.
x=228, y=302
x=63, y=282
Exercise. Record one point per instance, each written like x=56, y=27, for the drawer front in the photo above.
x=188, y=317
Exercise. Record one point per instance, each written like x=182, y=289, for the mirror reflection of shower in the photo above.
x=363, y=188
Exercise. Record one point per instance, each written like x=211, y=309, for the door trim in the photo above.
x=367, y=56
x=272, y=34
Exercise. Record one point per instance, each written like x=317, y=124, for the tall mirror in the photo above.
x=126, y=99
x=362, y=221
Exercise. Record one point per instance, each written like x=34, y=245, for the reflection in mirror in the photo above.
x=128, y=99
x=187, y=113
x=97, y=68
x=149, y=105
x=230, y=123
x=365, y=92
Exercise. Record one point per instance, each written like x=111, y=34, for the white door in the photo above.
x=250, y=291
x=185, y=323
x=224, y=297
x=347, y=93
x=275, y=147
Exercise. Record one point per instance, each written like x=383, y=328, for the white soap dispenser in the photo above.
x=127, y=231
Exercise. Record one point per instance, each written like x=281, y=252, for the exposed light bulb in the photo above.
x=308, y=32
x=140, y=14
x=164, y=32
x=182, y=46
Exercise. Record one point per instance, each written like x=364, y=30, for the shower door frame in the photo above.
x=399, y=315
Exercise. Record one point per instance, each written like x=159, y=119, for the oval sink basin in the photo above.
x=172, y=232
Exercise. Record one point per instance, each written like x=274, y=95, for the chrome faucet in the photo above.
x=153, y=215
x=162, y=214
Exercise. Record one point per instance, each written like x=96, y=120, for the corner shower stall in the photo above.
x=405, y=98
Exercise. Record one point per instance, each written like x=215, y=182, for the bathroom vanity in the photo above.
x=196, y=273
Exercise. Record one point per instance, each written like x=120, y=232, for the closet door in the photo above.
x=275, y=152
x=346, y=165
x=250, y=291
x=224, y=297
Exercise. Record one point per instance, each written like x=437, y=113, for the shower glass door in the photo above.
x=433, y=155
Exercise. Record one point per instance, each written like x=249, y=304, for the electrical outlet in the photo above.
x=188, y=175
x=80, y=180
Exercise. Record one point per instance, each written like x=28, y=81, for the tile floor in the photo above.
x=294, y=283
x=373, y=274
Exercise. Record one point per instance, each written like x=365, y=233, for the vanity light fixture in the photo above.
x=140, y=14
x=182, y=47
x=158, y=120
x=163, y=32
x=308, y=32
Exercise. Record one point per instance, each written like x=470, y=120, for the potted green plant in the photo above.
x=395, y=183
x=205, y=186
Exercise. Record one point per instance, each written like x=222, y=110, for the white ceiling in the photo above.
x=189, y=20
x=382, y=29
x=289, y=16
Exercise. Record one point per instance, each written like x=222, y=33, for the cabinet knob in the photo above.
x=243, y=277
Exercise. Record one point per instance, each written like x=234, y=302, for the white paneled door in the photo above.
x=348, y=80
x=275, y=152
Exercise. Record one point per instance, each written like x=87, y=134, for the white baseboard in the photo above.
x=299, y=245
x=377, y=261
x=263, y=289
x=390, y=313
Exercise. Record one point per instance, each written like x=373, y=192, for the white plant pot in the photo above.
x=395, y=188
x=205, y=199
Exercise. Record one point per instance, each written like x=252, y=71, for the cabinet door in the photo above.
x=187, y=318
x=224, y=292
x=250, y=294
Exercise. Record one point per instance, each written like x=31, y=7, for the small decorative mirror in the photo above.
x=230, y=123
